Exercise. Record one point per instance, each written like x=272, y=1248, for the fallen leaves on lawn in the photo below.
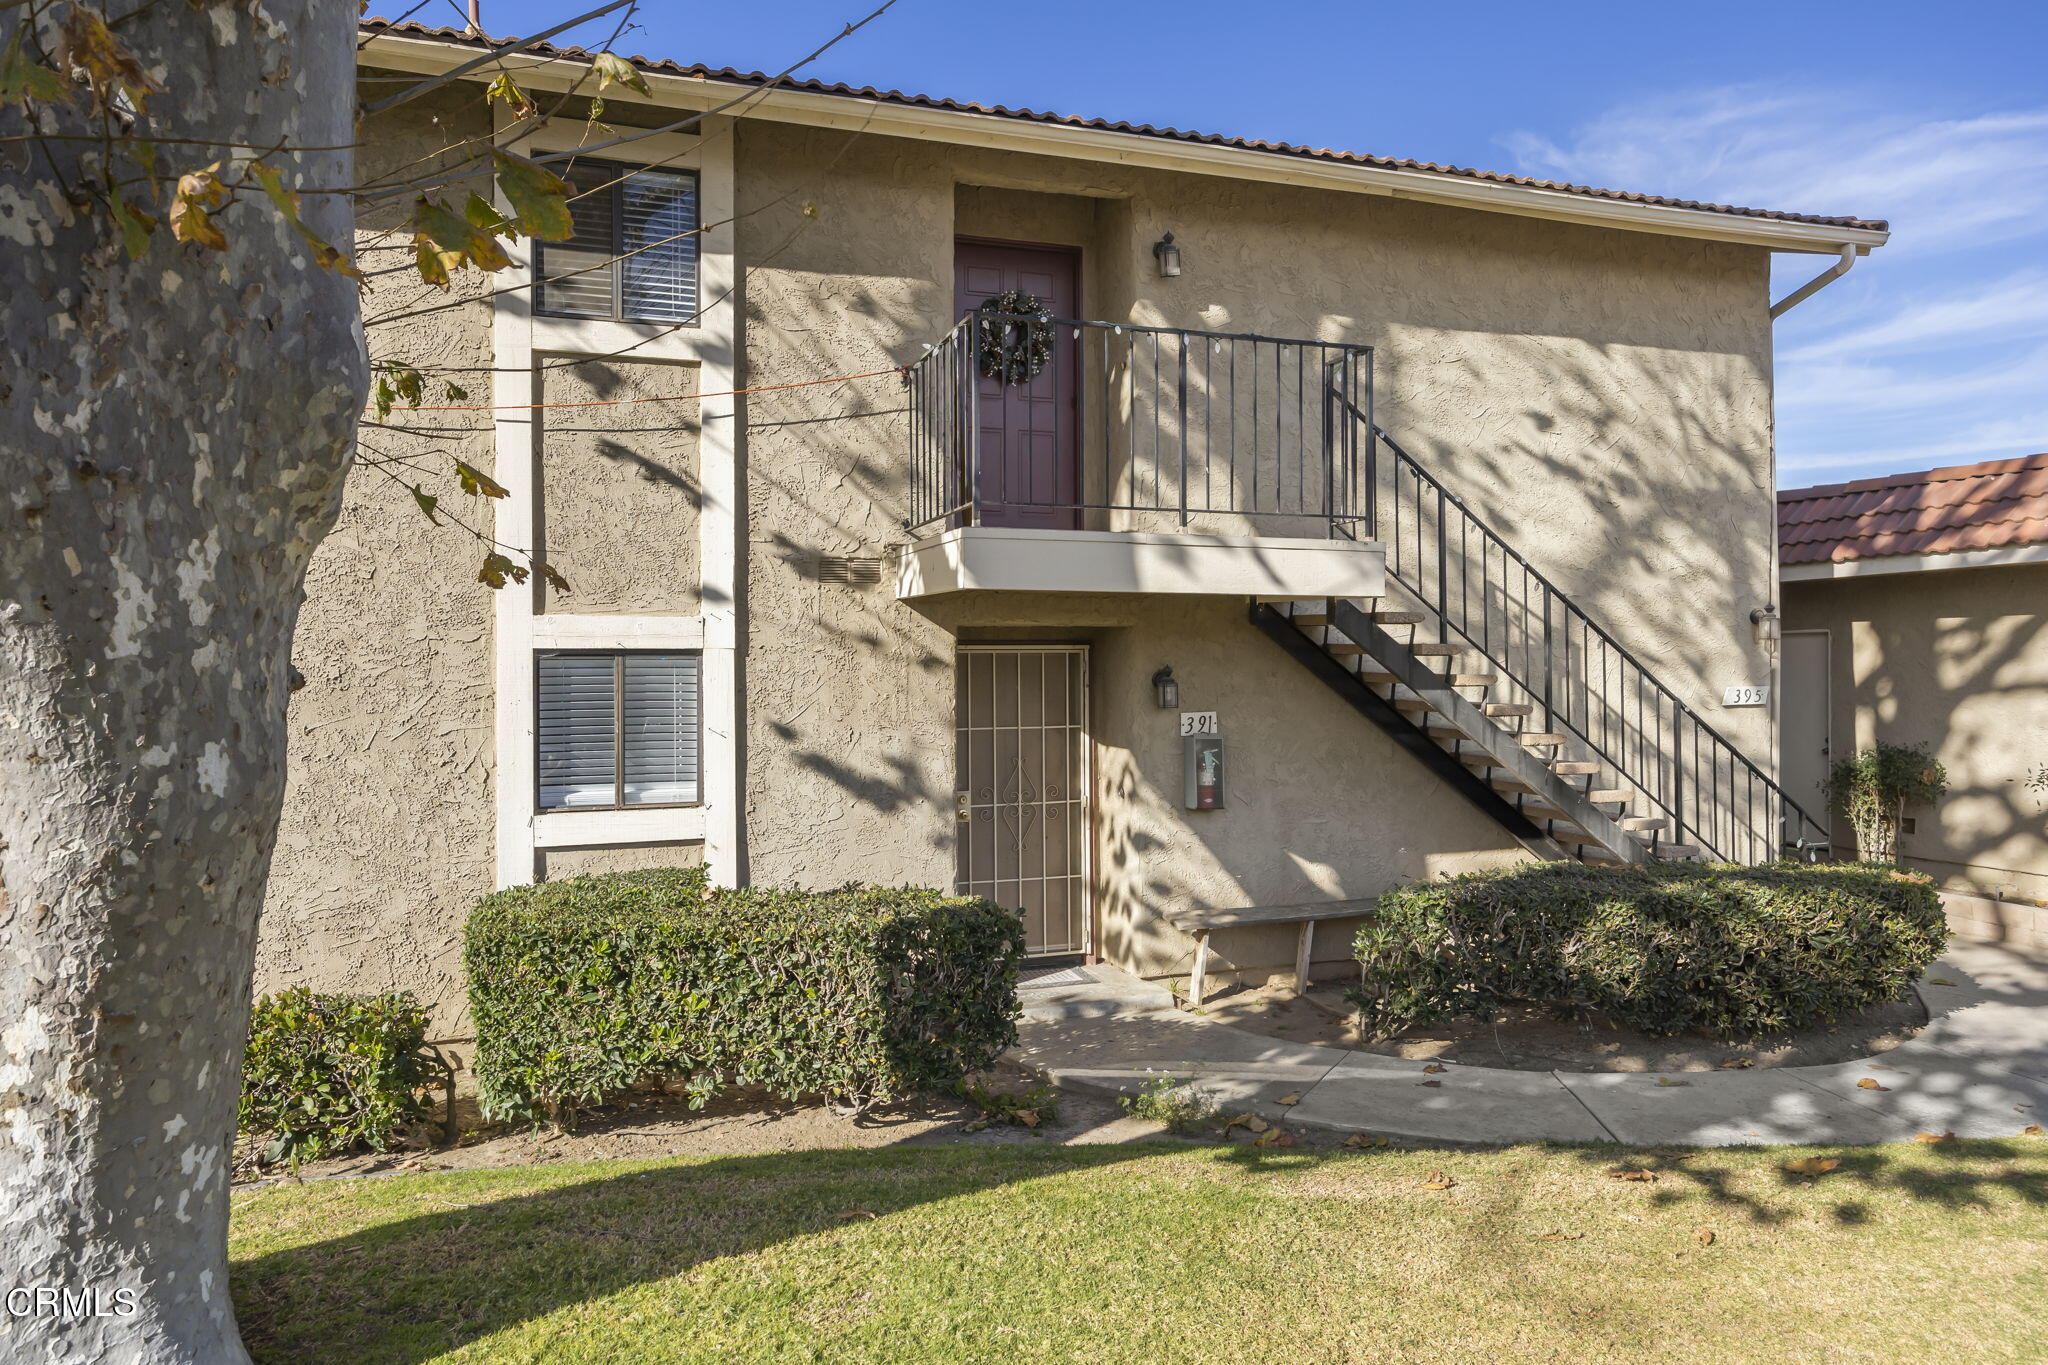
x=1630, y=1173
x=1705, y=1237
x=1813, y=1167
x=1868, y=1084
x=1437, y=1180
x=1251, y=1123
x=1295, y=1098
x=1560, y=1236
x=1027, y=1117
x=1364, y=1140
x=1274, y=1137
x=1945, y=1135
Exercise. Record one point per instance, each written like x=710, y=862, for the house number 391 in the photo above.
x=1198, y=722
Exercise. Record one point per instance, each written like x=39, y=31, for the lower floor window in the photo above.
x=618, y=729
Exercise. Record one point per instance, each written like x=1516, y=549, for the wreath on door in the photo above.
x=1016, y=348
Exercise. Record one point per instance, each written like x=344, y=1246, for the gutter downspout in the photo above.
x=1816, y=284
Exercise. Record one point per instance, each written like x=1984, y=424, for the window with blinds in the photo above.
x=618, y=730
x=632, y=249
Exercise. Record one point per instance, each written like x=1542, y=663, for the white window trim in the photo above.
x=518, y=337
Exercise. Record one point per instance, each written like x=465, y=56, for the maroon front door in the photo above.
x=1030, y=451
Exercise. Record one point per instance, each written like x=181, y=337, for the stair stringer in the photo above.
x=1499, y=744
x=1420, y=746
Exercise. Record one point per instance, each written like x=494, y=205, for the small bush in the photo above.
x=584, y=987
x=1662, y=948
x=329, y=1073
x=1171, y=1101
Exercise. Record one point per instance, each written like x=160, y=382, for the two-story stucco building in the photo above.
x=1436, y=506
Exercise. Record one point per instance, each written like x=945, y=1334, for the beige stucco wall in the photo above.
x=1602, y=397
x=1957, y=660
x=386, y=837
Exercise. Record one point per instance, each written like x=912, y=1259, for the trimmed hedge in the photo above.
x=1663, y=947
x=584, y=987
x=327, y=1073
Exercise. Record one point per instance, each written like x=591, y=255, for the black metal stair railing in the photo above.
x=1114, y=426
x=1544, y=650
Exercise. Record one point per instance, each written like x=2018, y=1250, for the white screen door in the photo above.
x=1021, y=787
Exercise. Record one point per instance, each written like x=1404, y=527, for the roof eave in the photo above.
x=406, y=52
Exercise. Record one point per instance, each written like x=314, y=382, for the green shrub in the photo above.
x=583, y=987
x=328, y=1073
x=1874, y=786
x=1661, y=948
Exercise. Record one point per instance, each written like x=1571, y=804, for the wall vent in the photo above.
x=861, y=571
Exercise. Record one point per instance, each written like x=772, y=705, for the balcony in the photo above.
x=1054, y=455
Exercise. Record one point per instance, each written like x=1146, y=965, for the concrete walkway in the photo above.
x=1979, y=1069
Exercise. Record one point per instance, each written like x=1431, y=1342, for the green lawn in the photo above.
x=1163, y=1253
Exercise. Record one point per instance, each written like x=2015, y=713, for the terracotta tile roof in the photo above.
x=1935, y=512
x=373, y=25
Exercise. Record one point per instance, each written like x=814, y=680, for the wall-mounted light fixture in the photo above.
x=1764, y=620
x=1165, y=691
x=1168, y=255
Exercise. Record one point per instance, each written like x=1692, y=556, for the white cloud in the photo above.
x=1927, y=353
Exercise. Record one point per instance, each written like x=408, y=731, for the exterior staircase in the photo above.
x=1486, y=673
x=1556, y=803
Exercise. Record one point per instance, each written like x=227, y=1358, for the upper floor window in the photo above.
x=617, y=730
x=632, y=254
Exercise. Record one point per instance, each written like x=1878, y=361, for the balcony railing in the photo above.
x=1109, y=426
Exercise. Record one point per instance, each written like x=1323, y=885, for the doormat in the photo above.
x=1044, y=978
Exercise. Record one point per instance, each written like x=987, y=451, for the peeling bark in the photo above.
x=174, y=432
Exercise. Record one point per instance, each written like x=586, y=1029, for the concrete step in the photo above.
x=1372, y=677
x=1399, y=618
x=1509, y=708
x=1344, y=649
x=1610, y=796
x=1674, y=850
x=1473, y=680
x=1310, y=618
x=1575, y=767
x=1412, y=706
x=1544, y=740
x=1509, y=784
x=1636, y=824
x=1431, y=651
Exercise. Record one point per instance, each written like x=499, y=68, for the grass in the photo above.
x=1163, y=1253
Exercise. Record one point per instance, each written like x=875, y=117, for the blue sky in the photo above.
x=1934, y=350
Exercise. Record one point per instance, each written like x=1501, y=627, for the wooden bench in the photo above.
x=1202, y=923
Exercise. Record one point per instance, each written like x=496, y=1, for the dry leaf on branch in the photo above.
x=1813, y=1166
x=1868, y=1084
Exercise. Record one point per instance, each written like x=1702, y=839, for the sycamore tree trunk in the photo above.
x=174, y=431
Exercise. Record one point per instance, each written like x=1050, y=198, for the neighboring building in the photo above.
x=1916, y=612
x=911, y=627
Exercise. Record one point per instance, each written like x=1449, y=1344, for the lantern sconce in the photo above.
x=1165, y=691
x=1168, y=255
x=1764, y=620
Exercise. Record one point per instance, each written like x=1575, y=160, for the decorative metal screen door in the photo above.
x=1021, y=787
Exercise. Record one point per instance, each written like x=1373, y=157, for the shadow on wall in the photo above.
x=1974, y=689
